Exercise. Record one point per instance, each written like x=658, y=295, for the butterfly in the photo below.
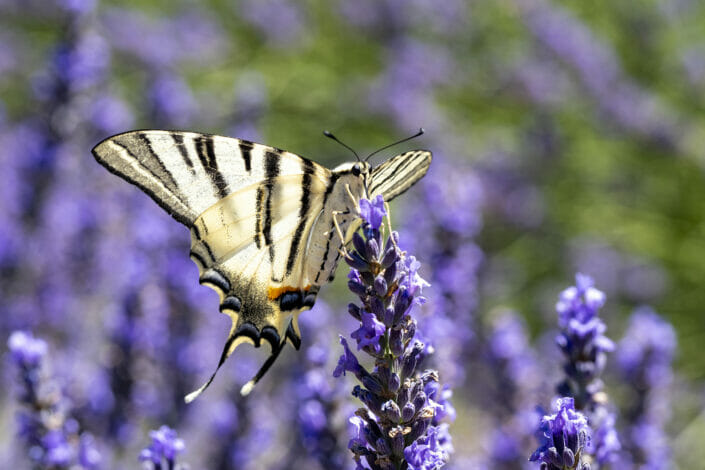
x=267, y=226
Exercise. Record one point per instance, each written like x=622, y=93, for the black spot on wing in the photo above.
x=290, y=301
x=179, y=141
x=249, y=330
x=269, y=334
x=309, y=300
x=215, y=278
x=231, y=302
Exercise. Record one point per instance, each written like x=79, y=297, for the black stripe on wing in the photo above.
x=205, y=149
x=271, y=171
x=305, y=205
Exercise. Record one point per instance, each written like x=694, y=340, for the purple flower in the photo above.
x=45, y=424
x=370, y=332
x=26, y=350
x=585, y=349
x=646, y=351
x=566, y=435
x=403, y=407
x=426, y=453
x=347, y=362
x=582, y=340
x=165, y=446
x=373, y=212
x=644, y=357
x=580, y=302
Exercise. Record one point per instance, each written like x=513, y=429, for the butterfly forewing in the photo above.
x=396, y=175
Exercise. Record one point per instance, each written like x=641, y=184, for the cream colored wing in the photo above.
x=399, y=173
x=250, y=248
x=188, y=172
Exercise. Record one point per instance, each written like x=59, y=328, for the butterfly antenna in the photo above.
x=331, y=136
x=420, y=132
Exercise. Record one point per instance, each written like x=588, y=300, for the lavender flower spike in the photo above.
x=566, y=437
x=52, y=437
x=164, y=448
x=400, y=425
x=585, y=349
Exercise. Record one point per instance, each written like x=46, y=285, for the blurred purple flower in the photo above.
x=165, y=446
x=282, y=22
x=644, y=357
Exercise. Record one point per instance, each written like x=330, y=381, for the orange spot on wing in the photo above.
x=275, y=292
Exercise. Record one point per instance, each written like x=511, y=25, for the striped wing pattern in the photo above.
x=394, y=176
x=261, y=221
x=250, y=208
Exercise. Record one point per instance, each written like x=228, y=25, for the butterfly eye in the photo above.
x=356, y=170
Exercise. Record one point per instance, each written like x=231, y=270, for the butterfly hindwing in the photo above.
x=396, y=175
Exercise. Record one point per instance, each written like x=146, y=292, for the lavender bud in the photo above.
x=388, y=317
x=378, y=308
x=354, y=311
x=395, y=342
x=419, y=400
x=418, y=429
x=372, y=248
x=554, y=457
x=355, y=261
x=371, y=384
x=394, y=382
x=391, y=411
x=359, y=244
x=401, y=305
x=405, y=392
x=408, y=412
x=380, y=286
x=568, y=458
x=383, y=447
x=357, y=288
x=390, y=273
x=390, y=258
x=397, y=437
x=383, y=374
x=409, y=366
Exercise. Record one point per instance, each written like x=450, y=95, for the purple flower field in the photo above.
x=536, y=301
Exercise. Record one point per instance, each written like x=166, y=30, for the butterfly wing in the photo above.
x=250, y=208
x=396, y=175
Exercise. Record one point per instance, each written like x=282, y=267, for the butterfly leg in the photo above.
x=388, y=219
x=343, y=251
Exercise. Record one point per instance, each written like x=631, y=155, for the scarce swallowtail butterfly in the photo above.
x=262, y=220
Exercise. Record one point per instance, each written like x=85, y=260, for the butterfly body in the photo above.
x=267, y=226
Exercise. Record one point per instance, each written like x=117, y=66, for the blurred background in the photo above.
x=567, y=137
